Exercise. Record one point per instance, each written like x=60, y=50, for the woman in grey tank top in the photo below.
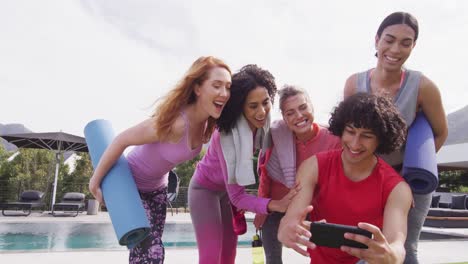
x=411, y=91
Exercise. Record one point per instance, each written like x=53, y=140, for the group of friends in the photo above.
x=344, y=173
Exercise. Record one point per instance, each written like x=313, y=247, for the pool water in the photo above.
x=66, y=236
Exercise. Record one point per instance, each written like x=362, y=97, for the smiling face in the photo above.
x=214, y=92
x=359, y=144
x=298, y=115
x=394, y=46
x=256, y=107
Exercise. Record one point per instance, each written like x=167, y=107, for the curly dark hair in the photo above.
x=373, y=112
x=245, y=80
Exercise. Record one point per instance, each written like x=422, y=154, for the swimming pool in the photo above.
x=65, y=236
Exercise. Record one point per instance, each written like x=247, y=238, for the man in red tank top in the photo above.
x=354, y=187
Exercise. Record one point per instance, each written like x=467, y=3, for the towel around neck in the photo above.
x=238, y=147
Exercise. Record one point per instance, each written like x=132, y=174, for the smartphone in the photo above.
x=332, y=235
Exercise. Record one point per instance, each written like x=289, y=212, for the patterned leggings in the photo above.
x=151, y=250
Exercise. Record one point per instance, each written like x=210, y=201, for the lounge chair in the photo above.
x=28, y=201
x=172, y=189
x=71, y=205
x=451, y=213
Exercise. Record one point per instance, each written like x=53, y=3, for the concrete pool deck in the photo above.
x=430, y=251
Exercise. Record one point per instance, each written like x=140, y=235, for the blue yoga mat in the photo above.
x=119, y=190
x=420, y=161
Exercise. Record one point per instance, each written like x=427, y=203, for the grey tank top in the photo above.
x=406, y=101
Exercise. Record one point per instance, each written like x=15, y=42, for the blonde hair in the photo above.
x=183, y=94
x=291, y=90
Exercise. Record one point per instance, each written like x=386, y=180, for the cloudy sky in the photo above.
x=64, y=63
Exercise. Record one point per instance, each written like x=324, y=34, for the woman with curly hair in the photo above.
x=218, y=182
x=411, y=91
x=181, y=123
x=353, y=186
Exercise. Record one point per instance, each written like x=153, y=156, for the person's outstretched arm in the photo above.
x=294, y=231
x=237, y=195
x=137, y=135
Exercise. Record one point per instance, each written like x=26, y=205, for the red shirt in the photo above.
x=342, y=201
x=322, y=141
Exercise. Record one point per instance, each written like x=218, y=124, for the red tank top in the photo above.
x=342, y=201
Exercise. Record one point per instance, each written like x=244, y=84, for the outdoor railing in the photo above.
x=12, y=194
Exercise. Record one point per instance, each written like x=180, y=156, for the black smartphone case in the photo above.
x=332, y=235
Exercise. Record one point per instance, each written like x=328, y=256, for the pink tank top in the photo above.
x=151, y=163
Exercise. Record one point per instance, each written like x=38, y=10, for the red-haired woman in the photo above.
x=182, y=122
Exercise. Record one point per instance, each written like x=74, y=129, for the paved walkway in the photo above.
x=430, y=252
x=447, y=251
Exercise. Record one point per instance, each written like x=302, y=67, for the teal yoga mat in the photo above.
x=420, y=160
x=120, y=192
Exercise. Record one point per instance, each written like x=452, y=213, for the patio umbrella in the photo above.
x=56, y=141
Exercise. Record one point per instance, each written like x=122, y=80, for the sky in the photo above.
x=64, y=63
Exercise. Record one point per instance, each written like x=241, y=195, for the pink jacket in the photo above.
x=211, y=173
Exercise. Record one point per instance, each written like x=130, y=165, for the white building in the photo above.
x=453, y=157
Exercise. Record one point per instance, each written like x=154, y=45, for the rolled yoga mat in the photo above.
x=119, y=189
x=420, y=160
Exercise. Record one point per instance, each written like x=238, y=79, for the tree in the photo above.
x=77, y=181
x=3, y=176
x=30, y=169
x=3, y=154
x=454, y=180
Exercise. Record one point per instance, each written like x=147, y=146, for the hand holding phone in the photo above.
x=332, y=235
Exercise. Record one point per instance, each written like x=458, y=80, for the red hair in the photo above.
x=183, y=94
